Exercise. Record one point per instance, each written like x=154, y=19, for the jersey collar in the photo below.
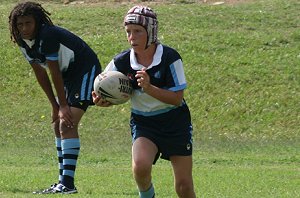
x=156, y=59
x=30, y=43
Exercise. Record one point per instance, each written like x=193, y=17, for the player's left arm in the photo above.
x=166, y=96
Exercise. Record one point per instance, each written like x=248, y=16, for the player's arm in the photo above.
x=44, y=81
x=166, y=96
x=64, y=109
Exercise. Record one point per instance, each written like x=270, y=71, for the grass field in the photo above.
x=242, y=66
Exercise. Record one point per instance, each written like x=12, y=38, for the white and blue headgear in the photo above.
x=146, y=17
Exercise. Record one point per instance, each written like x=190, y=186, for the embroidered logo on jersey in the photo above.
x=157, y=74
x=130, y=76
x=188, y=147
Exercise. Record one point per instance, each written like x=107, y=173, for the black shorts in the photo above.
x=171, y=132
x=79, y=86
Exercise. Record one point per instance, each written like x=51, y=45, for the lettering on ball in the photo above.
x=125, y=86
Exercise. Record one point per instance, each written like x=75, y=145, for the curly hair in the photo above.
x=28, y=8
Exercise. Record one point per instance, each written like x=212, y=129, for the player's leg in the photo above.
x=55, y=126
x=143, y=155
x=182, y=168
x=79, y=86
x=70, y=145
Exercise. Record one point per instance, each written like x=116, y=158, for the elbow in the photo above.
x=177, y=102
x=178, y=98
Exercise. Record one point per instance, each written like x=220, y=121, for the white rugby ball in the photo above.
x=113, y=86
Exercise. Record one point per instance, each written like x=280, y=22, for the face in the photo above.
x=136, y=37
x=26, y=26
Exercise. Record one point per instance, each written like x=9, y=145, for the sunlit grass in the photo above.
x=242, y=67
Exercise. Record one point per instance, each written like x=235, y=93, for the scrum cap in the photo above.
x=146, y=17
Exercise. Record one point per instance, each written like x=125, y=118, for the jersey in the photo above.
x=77, y=61
x=58, y=44
x=166, y=72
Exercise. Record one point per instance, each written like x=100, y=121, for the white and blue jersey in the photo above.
x=166, y=71
x=77, y=61
x=150, y=117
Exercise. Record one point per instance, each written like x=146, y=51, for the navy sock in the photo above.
x=60, y=158
x=70, y=151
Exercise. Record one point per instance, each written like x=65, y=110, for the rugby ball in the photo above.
x=113, y=86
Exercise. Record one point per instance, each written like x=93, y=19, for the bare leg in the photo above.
x=182, y=168
x=143, y=154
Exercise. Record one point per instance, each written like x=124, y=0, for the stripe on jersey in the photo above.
x=152, y=113
x=91, y=83
x=83, y=86
x=52, y=57
x=178, y=73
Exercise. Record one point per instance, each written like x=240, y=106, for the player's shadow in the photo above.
x=129, y=194
x=17, y=190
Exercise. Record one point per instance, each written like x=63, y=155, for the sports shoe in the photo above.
x=47, y=190
x=60, y=188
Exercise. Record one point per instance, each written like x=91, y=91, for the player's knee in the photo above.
x=183, y=188
x=64, y=131
x=68, y=132
x=141, y=168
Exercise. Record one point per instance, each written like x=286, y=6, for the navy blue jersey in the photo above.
x=77, y=61
x=56, y=43
x=168, y=126
x=166, y=72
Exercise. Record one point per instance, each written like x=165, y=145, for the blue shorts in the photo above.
x=79, y=85
x=171, y=132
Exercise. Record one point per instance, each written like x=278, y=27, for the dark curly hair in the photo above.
x=28, y=8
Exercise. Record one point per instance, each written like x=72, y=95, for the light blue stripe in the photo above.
x=59, y=154
x=174, y=74
x=53, y=56
x=69, y=162
x=191, y=132
x=71, y=151
x=69, y=173
x=83, y=87
x=91, y=83
x=152, y=113
x=58, y=142
x=60, y=166
x=134, y=133
x=70, y=143
x=178, y=88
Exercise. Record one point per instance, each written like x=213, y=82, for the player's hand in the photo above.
x=65, y=116
x=143, y=79
x=99, y=101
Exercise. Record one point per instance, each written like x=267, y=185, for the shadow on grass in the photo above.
x=17, y=190
x=131, y=194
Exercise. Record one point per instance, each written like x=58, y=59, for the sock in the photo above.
x=60, y=158
x=70, y=152
x=147, y=194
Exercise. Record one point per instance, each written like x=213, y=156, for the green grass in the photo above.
x=242, y=67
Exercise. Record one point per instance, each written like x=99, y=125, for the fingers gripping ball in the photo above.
x=113, y=86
